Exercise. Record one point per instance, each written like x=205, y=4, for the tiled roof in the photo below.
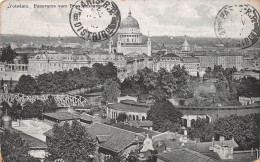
x=31, y=141
x=135, y=129
x=202, y=147
x=48, y=133
x=238, y=156
x=184, y=155
x=131, y=102
x=160, y=146
x=87, y=117
x=62, y=116
x=228, y=143
x=129, y=107
x=119, y=139
x=103, y=138
x=166, y=135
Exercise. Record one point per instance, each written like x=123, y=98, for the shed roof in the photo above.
x=135, y=129
x=32, y=142
x=116, y=139
x=62, y=116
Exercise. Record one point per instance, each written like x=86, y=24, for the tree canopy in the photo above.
x=8, y=55
x=70, y=143
x=26, y=85
x=165, y=116
x=111, y=90
x=14, y=148
x=147, y=84
x=64, y=81
x=121, y=117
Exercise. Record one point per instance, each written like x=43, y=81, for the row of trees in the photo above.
x=160, y=85
x=63, y=81
x=30, y=110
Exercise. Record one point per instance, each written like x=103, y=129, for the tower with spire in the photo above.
x=149, y=45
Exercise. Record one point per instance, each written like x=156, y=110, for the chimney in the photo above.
x=221, y=138
x=185, y=132
x=164, y=151
x=159, y=143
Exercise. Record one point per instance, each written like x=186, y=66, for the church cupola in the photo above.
x=185, y=47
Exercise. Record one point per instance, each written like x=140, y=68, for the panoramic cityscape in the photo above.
x=162, y=87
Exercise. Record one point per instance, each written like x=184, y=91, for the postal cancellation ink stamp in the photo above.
x=95, y=20
x=237, y=25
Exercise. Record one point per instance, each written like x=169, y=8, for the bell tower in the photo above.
x=149, y=45
x=110, y=45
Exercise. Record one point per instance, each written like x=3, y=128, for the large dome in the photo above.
x=130, y=22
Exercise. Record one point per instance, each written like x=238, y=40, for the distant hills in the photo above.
x=168, y=41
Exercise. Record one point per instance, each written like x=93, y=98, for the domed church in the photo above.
x=130, y=38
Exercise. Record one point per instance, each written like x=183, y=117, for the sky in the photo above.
x=194, y=18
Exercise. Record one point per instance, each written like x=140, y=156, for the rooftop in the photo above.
x=31, y=141
x=228, y=143
x=170, y=55
x=62, y=116
x=135, y=129
x=166, y=135
x=86, y=117
x=113, y=138
x=130, y=107
x=184, y=155
x=202, y=147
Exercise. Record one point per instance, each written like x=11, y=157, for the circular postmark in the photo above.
x=95, y=20
x=238, y=25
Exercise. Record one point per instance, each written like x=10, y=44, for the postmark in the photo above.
x=238, y=25
x=95, y=20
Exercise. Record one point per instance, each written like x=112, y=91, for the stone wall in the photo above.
x=219, y=112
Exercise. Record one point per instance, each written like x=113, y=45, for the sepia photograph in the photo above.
x=129, y=81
